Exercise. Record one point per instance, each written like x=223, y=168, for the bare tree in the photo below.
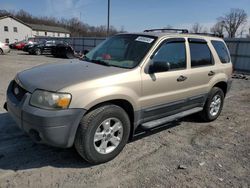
x=218, y=28
x=233, y=20
x=196, y=28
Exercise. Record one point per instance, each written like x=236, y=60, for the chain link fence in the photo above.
x=240, y=53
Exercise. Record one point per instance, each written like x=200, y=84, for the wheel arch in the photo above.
x=125, y=105
x=222, y=85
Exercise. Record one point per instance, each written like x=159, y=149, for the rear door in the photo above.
x=202, y=66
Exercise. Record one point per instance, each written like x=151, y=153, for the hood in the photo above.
x=54, y=77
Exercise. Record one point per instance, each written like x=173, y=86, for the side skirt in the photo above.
x=155, y=123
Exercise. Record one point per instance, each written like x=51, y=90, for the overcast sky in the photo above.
x=133, y=15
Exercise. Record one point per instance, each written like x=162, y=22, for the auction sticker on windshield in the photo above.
x=144, y=39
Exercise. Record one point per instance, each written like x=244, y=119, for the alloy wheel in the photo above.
x=108, y=135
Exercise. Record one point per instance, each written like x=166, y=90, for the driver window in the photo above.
x=173, y=53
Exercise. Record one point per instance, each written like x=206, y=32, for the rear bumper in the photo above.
x=52, y=127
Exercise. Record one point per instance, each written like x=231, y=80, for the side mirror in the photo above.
x=159, y=66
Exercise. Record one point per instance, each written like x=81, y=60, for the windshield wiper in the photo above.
x=100, y=62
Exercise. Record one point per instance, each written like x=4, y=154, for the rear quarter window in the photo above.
x=221, y=50
x=200, y=54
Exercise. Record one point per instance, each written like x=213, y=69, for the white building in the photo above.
x=48, y=31
x=14, y=30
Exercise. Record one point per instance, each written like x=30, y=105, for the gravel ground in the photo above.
x=187, y=153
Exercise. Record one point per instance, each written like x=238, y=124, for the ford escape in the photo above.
x=130, y=81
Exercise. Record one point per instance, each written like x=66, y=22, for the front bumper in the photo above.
x=52, y=127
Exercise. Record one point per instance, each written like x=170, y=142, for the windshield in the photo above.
x=125, y=51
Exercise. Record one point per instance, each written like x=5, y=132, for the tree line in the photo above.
x=232, y=24
x=74, y=25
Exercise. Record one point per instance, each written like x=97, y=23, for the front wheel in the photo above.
x=102, y=134
x=213, y=105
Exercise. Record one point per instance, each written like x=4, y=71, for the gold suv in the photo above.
x=128, y=82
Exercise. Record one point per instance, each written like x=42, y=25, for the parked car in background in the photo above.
x=20, y=45
x=63, y=50
x=42, y=48
x=28, y=46
x=4, y=48
x=13, y=45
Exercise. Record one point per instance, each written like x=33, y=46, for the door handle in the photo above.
x=211, y=73
x=181, y=78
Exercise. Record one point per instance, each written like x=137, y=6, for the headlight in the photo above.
x=50, y=100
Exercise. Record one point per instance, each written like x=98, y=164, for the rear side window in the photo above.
x=222, y=51
x=200, y=54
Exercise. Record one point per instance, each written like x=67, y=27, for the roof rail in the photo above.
x=162, y=30
x=210, y=34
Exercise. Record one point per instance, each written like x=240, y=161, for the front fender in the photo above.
x=89, y=99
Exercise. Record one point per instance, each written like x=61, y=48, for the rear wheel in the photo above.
x=1, y=51
x=38, y=51
x=102, y=134
x=213, y=105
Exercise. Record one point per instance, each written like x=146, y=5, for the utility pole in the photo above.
x=108, y=17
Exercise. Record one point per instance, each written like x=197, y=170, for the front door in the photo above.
x=165, y=91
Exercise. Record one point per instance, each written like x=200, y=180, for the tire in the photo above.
x=69, y=55
x=208, y=114
x=92, y=124
x=1, y=51
x=38, y=51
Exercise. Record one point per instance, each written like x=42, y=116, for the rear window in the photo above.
x=222, y=51
x=200, y=54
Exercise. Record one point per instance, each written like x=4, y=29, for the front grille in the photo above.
x=18, y=91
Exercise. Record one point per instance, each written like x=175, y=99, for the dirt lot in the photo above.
x=213, y=154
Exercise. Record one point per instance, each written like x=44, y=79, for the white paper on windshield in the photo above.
x=144, y=39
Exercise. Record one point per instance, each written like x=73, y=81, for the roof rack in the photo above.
x=210, y=34
x=162, y=30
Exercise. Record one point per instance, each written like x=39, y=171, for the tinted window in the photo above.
x=174, y=53
x=200, y=54
x=222, y=51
